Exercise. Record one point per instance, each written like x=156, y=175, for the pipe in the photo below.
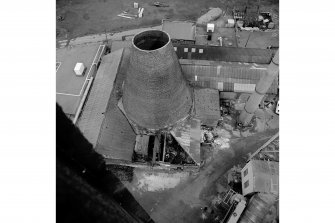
x=262, y=87
x=263, y=146
x=80, y=107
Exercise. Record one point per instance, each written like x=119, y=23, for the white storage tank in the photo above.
x=79, y=69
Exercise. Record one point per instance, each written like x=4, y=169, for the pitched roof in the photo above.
x=224, y=75
x=102, y=122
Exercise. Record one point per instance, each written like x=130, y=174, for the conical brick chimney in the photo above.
x=155, y=93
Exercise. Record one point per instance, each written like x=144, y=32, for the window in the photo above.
x=185, y=50
x=175, y=48
x=245, y=172
x=201, y=50
x=193, y=50
x=246, y=184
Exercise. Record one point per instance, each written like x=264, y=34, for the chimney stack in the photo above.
x=155, y=93
x=262, y=87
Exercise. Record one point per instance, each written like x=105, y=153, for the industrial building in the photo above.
x=180, y=32
x=148, y=103
x=140, y=98
x=260, y=176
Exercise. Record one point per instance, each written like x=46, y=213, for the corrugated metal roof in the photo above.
x=102, y=122
x=117, y=138
x=179, y=29
x=213, y=74
x=93, y=114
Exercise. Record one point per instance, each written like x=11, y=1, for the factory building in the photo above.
x=180, y=32
x=141, y=106
x=260, y=176
x=147, y=103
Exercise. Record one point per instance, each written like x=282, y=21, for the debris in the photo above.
x=239, y=24
x=158, y=4
x=124, y=16
x=271, y=25
x=250, y=28
x=60, y=18
x=140, y=13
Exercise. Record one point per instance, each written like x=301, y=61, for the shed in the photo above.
x=79, y=69
x=260, y=176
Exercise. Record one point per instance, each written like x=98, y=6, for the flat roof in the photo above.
x=69, y=86
x=207, y=106
x=228, y=54
x=179, y=29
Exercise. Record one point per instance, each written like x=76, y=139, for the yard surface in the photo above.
x=69, y=87
x=83, y=17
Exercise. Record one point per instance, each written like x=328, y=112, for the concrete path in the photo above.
x=102, y=37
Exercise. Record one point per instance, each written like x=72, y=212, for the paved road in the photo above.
x=102, y=37
x=184, y=202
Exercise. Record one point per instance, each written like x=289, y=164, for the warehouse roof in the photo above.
x=179, y=29
x=102, y=122
x=228, y=54
x=224, y=76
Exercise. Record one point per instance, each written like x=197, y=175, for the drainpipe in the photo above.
x=262, y=87
x=220, y=40
x=82, y=101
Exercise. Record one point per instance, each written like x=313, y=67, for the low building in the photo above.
x=207, y=106
x=106, y=127
x=260, y=176
x=226, y=54
x=181, y=32
x=226, y=76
